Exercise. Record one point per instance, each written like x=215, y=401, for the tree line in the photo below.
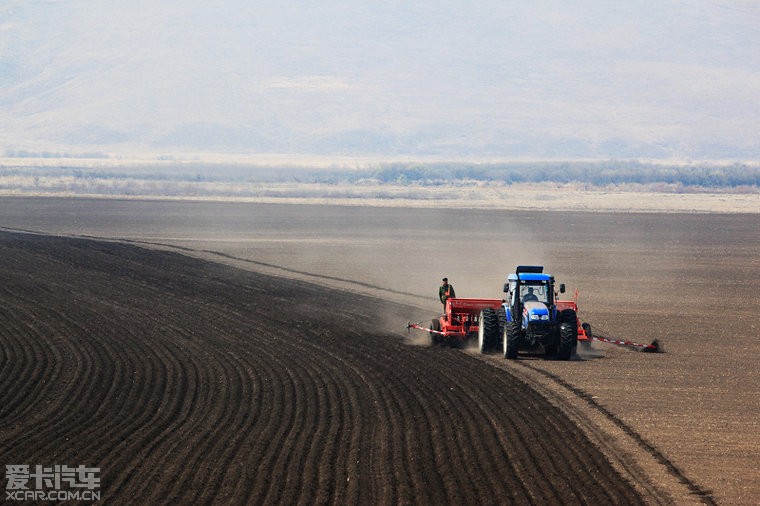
x=597, y=174
x=612, y=173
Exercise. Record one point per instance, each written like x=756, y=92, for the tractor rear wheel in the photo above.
x=511, y=339
x=502, y=319
x=436, y=339
x=568, y=334
x=488, y=330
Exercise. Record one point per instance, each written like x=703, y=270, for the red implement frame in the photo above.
x=461, y=319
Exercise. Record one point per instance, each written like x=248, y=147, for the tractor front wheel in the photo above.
x=511, y=339
x=550, y=349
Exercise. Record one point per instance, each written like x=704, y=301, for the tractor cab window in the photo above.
x=538, y=293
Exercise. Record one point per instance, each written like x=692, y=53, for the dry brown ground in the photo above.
x=188, y=382
x=688, y=280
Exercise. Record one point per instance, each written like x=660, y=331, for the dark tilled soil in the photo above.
x=187, y=381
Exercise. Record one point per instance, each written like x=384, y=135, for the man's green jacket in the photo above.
x=445, y=292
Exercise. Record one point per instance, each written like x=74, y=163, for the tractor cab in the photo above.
x=531, y=294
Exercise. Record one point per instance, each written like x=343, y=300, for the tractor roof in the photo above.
x=529, y=276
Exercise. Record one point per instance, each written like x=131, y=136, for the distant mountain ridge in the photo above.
x=433, y=79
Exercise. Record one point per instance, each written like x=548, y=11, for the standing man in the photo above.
x=445, y=292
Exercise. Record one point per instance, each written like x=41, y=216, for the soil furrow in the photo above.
x=194, y=382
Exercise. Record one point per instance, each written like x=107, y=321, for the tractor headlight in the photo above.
x=545, y=317
x=535, y=317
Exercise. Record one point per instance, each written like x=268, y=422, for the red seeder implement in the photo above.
x=460, y=321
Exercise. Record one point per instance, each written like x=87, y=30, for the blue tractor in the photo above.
x=530, y=320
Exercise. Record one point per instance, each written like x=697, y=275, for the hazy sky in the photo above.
x=541, y=79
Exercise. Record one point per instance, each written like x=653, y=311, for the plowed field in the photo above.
x=187, y=381
x=680, y=426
